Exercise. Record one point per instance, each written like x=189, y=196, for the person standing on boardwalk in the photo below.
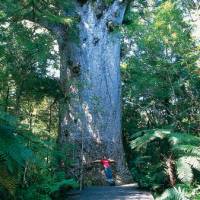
x=106, y=163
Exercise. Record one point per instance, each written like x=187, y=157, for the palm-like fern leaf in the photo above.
x=173, y=194
x=173, y=137
x=187, y=150
x=184, y=167
x=183, y=138
x=148, y=137
x=184, y=171
x=193, y=161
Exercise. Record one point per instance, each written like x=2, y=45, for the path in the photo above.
x=124, y=192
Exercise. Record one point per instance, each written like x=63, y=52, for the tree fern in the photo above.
x=184, y=149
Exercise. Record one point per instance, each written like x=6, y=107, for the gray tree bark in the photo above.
x=90, y=115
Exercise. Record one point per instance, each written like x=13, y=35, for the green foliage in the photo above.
x=184, y=171
x=28, y=143
x=23, y=162
x=184, y=163
x=160, y=77
x=29, y=161
x=182, y=192
x=46, y=189
x=51, y=12
x=174, y=138
x=173, y=194
x=14, y=153
x=160, y=82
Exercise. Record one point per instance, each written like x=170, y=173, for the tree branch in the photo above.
x=116, y=12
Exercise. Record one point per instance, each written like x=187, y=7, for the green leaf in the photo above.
x=173, y=194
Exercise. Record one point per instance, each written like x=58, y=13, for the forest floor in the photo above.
x=124, y=192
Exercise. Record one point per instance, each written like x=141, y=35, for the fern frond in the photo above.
x=184, y=167
x=184, y=171
x=173, y=194
x=13, y=154
x=141, y=160
x=173, y=137
x=183, y=138
x=7, y=181
x=67, y=182
x=186, y=150
x=148, y=137
x=193, y=161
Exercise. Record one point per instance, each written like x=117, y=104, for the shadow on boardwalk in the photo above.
x=124, y=192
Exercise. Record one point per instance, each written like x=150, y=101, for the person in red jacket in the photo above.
x=106, y=163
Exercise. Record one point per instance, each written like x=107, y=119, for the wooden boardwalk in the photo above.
x=125, y=192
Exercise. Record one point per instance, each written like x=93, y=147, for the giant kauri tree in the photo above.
x=90, y=113
x=90, y=76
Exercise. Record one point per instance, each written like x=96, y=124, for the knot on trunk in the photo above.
x=110, y=26
x=95, y=40
x=76, y=70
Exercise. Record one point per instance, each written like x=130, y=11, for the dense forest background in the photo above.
x=160, y=99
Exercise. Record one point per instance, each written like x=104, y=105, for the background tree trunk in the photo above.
x=90, y=115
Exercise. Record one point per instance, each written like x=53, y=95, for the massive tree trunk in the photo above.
x=90, y=77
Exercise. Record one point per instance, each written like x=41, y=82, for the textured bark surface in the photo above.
x=90, y=73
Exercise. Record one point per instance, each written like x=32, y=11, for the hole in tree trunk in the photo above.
x=82, y=2
x=76, y=70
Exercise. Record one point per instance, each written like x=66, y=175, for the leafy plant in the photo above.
x=173, y=194
x=14, y=152
x=160, y=96
x=24, y=169
x=181, y=147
